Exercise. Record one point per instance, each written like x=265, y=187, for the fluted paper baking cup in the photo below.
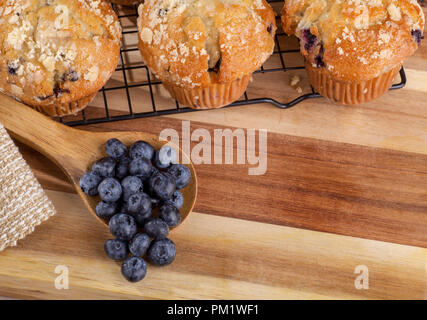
x=63, y=109
x=346, y=92
x=216, y=95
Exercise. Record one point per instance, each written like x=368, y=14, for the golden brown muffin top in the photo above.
x=193, y=43
x=56, y=50
x=355, y=39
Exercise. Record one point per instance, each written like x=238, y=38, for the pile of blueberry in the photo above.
x=131, y=186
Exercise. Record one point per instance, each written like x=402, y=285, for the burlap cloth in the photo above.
x=23, y=203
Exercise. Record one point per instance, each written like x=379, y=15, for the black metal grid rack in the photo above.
x=126, y=84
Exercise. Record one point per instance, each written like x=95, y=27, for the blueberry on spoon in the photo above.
x=141, y=149
x=170, y=214
x=105, y=167
x=130, y=186
x=123, y=226
x=115, y=148
x=165, y=157
x=140, y=167
x=162, y=186
x=89, y=183
x=106, y=210
x=181, y=174
x=110, y=190
x=139, y=244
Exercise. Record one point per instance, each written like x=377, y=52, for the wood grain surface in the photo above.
x=218, y=257
x=345, y=186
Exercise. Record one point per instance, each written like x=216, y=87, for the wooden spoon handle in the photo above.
x=34, y=129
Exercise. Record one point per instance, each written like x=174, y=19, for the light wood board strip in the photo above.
x=217, y=258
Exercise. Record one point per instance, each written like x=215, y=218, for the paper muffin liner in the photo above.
x=216, y=95
x=346, y=92
x=64, y=109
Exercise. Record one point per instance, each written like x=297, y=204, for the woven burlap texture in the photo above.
x=23, y=203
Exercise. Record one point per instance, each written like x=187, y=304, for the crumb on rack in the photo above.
x=294, y=83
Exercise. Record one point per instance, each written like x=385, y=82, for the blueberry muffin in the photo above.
x=205, y=51
x=354, y=49
x=56, y=54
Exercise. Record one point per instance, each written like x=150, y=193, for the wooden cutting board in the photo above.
x=344, y=187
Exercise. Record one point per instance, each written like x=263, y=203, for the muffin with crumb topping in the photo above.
x=354, y=49
x=126, y=2
x=56, y=54
x=205, y=51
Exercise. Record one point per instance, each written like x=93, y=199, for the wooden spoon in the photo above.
x=74, y=151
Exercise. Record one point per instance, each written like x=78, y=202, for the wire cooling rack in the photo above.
x=133, y=92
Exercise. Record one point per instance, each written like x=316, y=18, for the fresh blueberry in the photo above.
x=139, y=244
x=140, y=167
x=156, y=228
x=165, y=157
x=122, y=226
x=141, y=149
x=177, y=200
x=154, y=171
x=106, y=210
x=130, y=186
x=116, y=249
x=162, y=252
x=110, y=190
x=155, y=202
x=115, y=148
x=169, y=214
x=134, y=269
x=181, y=174
x=162, y=186
x=89, y=183
x=142, y=217
x=138, y=203
x=122, y=168
x=105, y=167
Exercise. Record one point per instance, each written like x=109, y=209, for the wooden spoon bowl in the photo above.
x=74, y=151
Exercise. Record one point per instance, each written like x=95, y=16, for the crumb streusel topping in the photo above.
x=355, y=39
x=56, y=50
